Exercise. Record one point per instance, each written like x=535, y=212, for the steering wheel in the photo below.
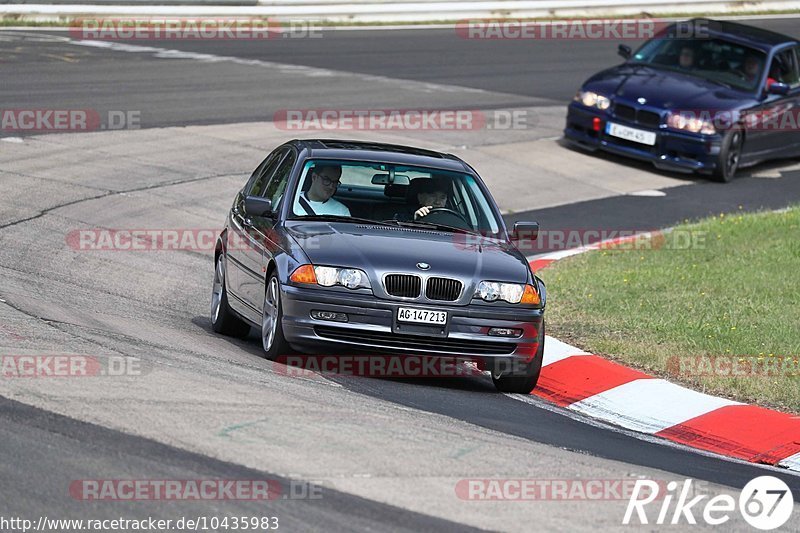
x=444, y=215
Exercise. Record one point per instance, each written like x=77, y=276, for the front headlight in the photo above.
x=689, y=123
x=513, y=293
x=327, y=276
x=592, y=99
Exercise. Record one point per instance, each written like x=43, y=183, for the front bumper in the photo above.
x=372, y=326
x=674, y=150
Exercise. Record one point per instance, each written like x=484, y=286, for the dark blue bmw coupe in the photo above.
x=703, y=95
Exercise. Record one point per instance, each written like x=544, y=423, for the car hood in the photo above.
x=383, y=249
x=666, y=89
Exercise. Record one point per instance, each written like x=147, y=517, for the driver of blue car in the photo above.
x=432, y=194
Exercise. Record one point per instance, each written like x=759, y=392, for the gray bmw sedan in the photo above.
x=339, y=246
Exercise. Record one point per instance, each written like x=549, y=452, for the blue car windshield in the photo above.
x=388, y=193
x=716, y=60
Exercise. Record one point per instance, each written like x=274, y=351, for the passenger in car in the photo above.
x=318, y=200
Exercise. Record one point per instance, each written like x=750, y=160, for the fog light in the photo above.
x=329, y=315
x=505, y=332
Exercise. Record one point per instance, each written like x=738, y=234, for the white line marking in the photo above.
x=555, y=350
x=791, y=462
x=649, y=405
x=547, y=406
x=648, y=193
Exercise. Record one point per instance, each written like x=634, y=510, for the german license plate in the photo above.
x=631, y=134
x=422, y=316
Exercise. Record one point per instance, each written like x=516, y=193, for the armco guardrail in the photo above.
x=391, y=10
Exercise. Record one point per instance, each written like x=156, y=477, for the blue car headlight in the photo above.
x=686, y=122
x=592, y=99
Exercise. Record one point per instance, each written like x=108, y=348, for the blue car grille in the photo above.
x=645, y=118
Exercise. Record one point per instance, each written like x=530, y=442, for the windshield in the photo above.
x=716, y=60
x=394, y=194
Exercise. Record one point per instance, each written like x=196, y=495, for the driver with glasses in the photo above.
x=318, y=200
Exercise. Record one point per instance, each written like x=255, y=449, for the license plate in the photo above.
x=422, y=316
x=631, y=134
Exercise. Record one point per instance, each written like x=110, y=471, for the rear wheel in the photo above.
x=523, y=381
x=729, y=156
x=272, y=338
x=222, y=318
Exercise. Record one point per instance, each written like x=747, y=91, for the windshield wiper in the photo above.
x=341, y=218
x=431, y=225
x=724, y=84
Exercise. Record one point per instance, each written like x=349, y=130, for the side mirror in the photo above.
x=524, y=231
x=256, y=206
x=625, y=51
x=779, y=88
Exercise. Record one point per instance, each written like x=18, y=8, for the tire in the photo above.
x=272, y=340
x=222, y=318
x=525, y=381
x=729, y=156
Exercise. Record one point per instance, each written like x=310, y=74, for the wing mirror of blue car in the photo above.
x=524, y=234
x=256, y=206
x=625, y=51
x=779, y=88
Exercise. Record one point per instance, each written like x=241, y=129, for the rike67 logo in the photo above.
x=765, y=503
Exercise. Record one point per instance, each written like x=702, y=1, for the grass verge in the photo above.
x=720, y=315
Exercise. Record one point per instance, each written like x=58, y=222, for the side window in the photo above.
x=784, y=68
x=260, y=178
x=796, y=58
x=274, y=191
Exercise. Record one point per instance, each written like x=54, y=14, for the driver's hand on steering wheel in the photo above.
x=422, y=211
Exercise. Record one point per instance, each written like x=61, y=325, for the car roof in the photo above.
x=345, y=149
x=743, y=34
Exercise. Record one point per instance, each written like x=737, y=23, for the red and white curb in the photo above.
x=596, y=387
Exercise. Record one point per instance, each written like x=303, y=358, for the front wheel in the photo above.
x=272, y=338
x=729, y=156
x=524, y=381
x=222, y=318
